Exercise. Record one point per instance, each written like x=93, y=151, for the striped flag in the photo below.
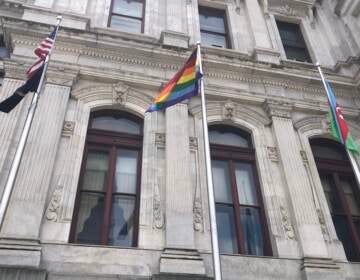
x=34, y=74
x=41, y=52
x=339, y=128
x=182, y=86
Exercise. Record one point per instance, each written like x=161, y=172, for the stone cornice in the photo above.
x=277, y=108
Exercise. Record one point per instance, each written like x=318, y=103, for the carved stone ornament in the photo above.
x=158, y=212
x=229, y=110
x=286, y=10
x=304, y=156
x=120, y=93
x=326, y=125
x=322, y=223
x=272, y=153
x=277, y=108
x=68, y=128
x=289, y=230
x=193, y=143
x=160, y=139
x=198, y=215
x=54, y=205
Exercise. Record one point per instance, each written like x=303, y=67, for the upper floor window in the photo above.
x=341, y=192
x=127, y=15
x=107, y=203
x=213, y=27
x=293, y=41
x=240, y=212
x=4, y=52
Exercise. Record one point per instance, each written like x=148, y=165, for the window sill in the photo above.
x=295, y=63
x=231, y=53
x=136, y=37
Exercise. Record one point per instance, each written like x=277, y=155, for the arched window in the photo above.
x=341, y=191
x=240, y=213
x=107, y=203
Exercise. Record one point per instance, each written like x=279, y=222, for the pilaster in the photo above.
x=263, y=49
x=175, y=33
x=180, y=255
x=298, y=184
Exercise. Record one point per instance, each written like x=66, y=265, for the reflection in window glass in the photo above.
x=96, y=171
x=90, y=218
x=227, y=138
x=122, y=221
x=245, y=184
x=133, y=8
x=251, y=227
x=221, y=180
x=127, y=15
x=226, y=229
x=347, y=185
x=116, y=124
x=126, y=168
x=330, y=193
x=344, y=236
x=128, y=24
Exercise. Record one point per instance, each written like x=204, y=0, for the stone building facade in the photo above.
x=259, y=87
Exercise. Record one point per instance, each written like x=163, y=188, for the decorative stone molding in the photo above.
x=277, y=108
x=322, y=223
x=120, y=93
x=304, y=156
x=158, y=212
x=228, y=110
x=272, y=154
x=289, y=230
x=68, y=129
x=287, y=10
x=160, y=139
x=193, y=143
x=52, y=211
x=198, y=215
x=174, y=39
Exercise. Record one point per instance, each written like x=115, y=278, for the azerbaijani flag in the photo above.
x=339, y=128
x=182, y=86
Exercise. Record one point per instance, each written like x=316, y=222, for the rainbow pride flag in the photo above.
x=182, y=86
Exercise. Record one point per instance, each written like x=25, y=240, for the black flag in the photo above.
x=31, y=85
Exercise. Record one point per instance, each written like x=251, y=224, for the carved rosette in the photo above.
x=68, y=128
x=228, y=110
x=289, y=230
x=52, y=211
x=120, y=93
x=158, y=212
x=198, y=215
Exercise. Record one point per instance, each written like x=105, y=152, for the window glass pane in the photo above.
x=116, y=124
x=126, y=24
x=125, y=174
x=330, y=193
x=290, y=34
x=228, y=138
x=226, y=229
x=328, y=151
x=343, y=233
x=298, y=54
x=245, y=184
x=357, y=226
x=213, y=40
x=348, y=184
x=222, y=187
x=212, y=20
x=132, y=8
x=90, y=217
x=251, y=227
x=96, y=171
x=122, y=221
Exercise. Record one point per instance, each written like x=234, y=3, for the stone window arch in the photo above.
x=108, y=198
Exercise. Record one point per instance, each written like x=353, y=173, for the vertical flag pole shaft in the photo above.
x=354, y=165
x=211, y=197
x=23, y=138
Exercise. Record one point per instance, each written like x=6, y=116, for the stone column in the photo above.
x=180, y=255
x=175, y=33
x=263, y=48
x=316, y=257
x=25, y=211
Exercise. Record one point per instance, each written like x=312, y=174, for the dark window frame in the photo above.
x=142, y=18
x=335, y=169
x=220, y=13
x=109, y=141
x=231, y=155
x=301, y=47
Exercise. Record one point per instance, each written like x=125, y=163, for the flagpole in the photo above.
x=211, y=197
x=354, y=165
x=23, y=138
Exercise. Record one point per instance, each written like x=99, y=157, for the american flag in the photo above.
x=41, y=52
